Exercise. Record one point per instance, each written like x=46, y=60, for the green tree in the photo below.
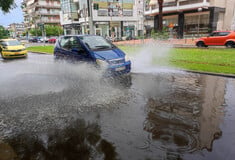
x=3, y=33
x=35, y=32
x=49, y=29
x=6, y=5
x=53, y=30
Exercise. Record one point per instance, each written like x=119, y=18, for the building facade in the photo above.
x=16, y=29
x=114, y=18
x=69, y=16
x=41, y=12
x=192, y=17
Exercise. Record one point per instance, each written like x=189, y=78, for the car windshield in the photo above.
x=96, y=42
x=12, y=43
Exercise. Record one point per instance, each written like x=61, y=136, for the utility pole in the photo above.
x=89, y=6
x=142, y=20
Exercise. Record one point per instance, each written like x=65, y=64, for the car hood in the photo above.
x=15, y=47
x=109, y=54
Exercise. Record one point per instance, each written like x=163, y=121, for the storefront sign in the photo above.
x=102, y=12
x=115, y=8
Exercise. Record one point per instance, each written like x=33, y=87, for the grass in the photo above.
x=207, y=60
x=44, y=49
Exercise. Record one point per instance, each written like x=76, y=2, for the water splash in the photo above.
x=152, y=58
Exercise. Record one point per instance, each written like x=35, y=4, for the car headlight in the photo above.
x=102, y=63
x=127, y=58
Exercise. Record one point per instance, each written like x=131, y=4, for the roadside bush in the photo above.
x=160, y=35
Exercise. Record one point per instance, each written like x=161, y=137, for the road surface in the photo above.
x=65, y=111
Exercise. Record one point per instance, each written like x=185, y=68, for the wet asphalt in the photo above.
x=58, y=111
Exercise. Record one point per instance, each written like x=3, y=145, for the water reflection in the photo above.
x=188, y=118
x=182, y=115
x=80, y=140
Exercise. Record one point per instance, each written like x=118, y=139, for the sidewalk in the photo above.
x=174, y=42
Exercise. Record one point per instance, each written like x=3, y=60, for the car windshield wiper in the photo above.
x=102, y=47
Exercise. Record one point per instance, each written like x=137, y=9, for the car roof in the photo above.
x=7, y=39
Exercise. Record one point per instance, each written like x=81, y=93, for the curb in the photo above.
x=210, y=73
x=40, y=52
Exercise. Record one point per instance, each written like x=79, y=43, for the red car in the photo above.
x=218, y=38
x=52, y=40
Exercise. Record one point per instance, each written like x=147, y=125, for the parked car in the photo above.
x=218, y=38
x=52, y=40
x=34, y=39
x=42, y=39
x=12, y=48
x=94, y=49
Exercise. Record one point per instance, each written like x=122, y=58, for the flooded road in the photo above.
x=62, y=111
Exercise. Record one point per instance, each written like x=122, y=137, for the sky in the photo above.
x=14, y=16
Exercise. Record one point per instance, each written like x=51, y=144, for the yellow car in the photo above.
x=12, y=48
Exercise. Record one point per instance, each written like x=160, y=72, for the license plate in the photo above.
x=120, y=68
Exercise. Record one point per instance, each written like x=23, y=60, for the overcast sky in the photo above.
x=15, y=15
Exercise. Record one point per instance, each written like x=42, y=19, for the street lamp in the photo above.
x=199, y=17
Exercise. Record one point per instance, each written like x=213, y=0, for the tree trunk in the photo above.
x=160, y=26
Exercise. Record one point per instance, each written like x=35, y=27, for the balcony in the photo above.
x=44, y=5
x=44, y=20
x=183, y=5
x=47, y=13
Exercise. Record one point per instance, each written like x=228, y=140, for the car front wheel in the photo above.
x=2, y=55
x=201, y=44
x=230, y=44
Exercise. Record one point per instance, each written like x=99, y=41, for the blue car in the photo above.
x=94, y=49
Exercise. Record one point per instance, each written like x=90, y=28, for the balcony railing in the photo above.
x=190, y=2
x=47, y=13
x=44, y=5
x=48, y=21
x=174, y=6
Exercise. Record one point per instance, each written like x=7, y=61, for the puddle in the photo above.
x=62, y=113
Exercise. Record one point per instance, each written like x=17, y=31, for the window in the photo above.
x=223, y=33
x=213, y=34
x=69, y=43
x=64, y=42
x=96, y=42
x=74, y=43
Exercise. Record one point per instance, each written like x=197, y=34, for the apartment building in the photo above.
x=16, y=29
x=115, y=18
x=192, y=17
x=38, y=12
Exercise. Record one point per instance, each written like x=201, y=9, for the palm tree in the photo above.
x=160, y=5
x=159, y=27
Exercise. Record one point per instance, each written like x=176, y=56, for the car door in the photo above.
x=76, y=51
x=72, y=50
x=223, y=38
x=212, y=39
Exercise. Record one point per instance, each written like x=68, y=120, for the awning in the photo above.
x=153, y=2
x=167, y=1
